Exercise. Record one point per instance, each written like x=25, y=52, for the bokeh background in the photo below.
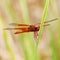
x=11, y=12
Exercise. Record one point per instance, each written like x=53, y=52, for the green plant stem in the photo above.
x=42, y=22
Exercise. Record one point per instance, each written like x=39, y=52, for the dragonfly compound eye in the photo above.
x=37, y=28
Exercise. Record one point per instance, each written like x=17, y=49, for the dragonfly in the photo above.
x=22, y=28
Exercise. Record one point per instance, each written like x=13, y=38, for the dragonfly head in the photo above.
x=37, y=28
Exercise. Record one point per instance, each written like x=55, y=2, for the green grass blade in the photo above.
x=42, y=22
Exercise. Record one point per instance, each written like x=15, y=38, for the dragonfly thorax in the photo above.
x=34, y=28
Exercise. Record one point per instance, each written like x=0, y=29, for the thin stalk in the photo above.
x=42, y=22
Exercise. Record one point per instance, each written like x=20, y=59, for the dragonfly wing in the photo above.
x=49, y=21
x=15, y=24
x=22, y=31
x=15, y=28
x=46, y=24
x=18, y=32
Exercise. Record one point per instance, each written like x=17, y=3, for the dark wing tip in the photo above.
x=13, y=24
x=8, y=28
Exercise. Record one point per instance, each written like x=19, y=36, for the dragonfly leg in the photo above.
x=35, y=35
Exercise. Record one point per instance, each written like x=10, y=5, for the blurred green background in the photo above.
x=22, y=46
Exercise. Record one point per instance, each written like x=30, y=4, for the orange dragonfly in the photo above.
x=28, y=28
